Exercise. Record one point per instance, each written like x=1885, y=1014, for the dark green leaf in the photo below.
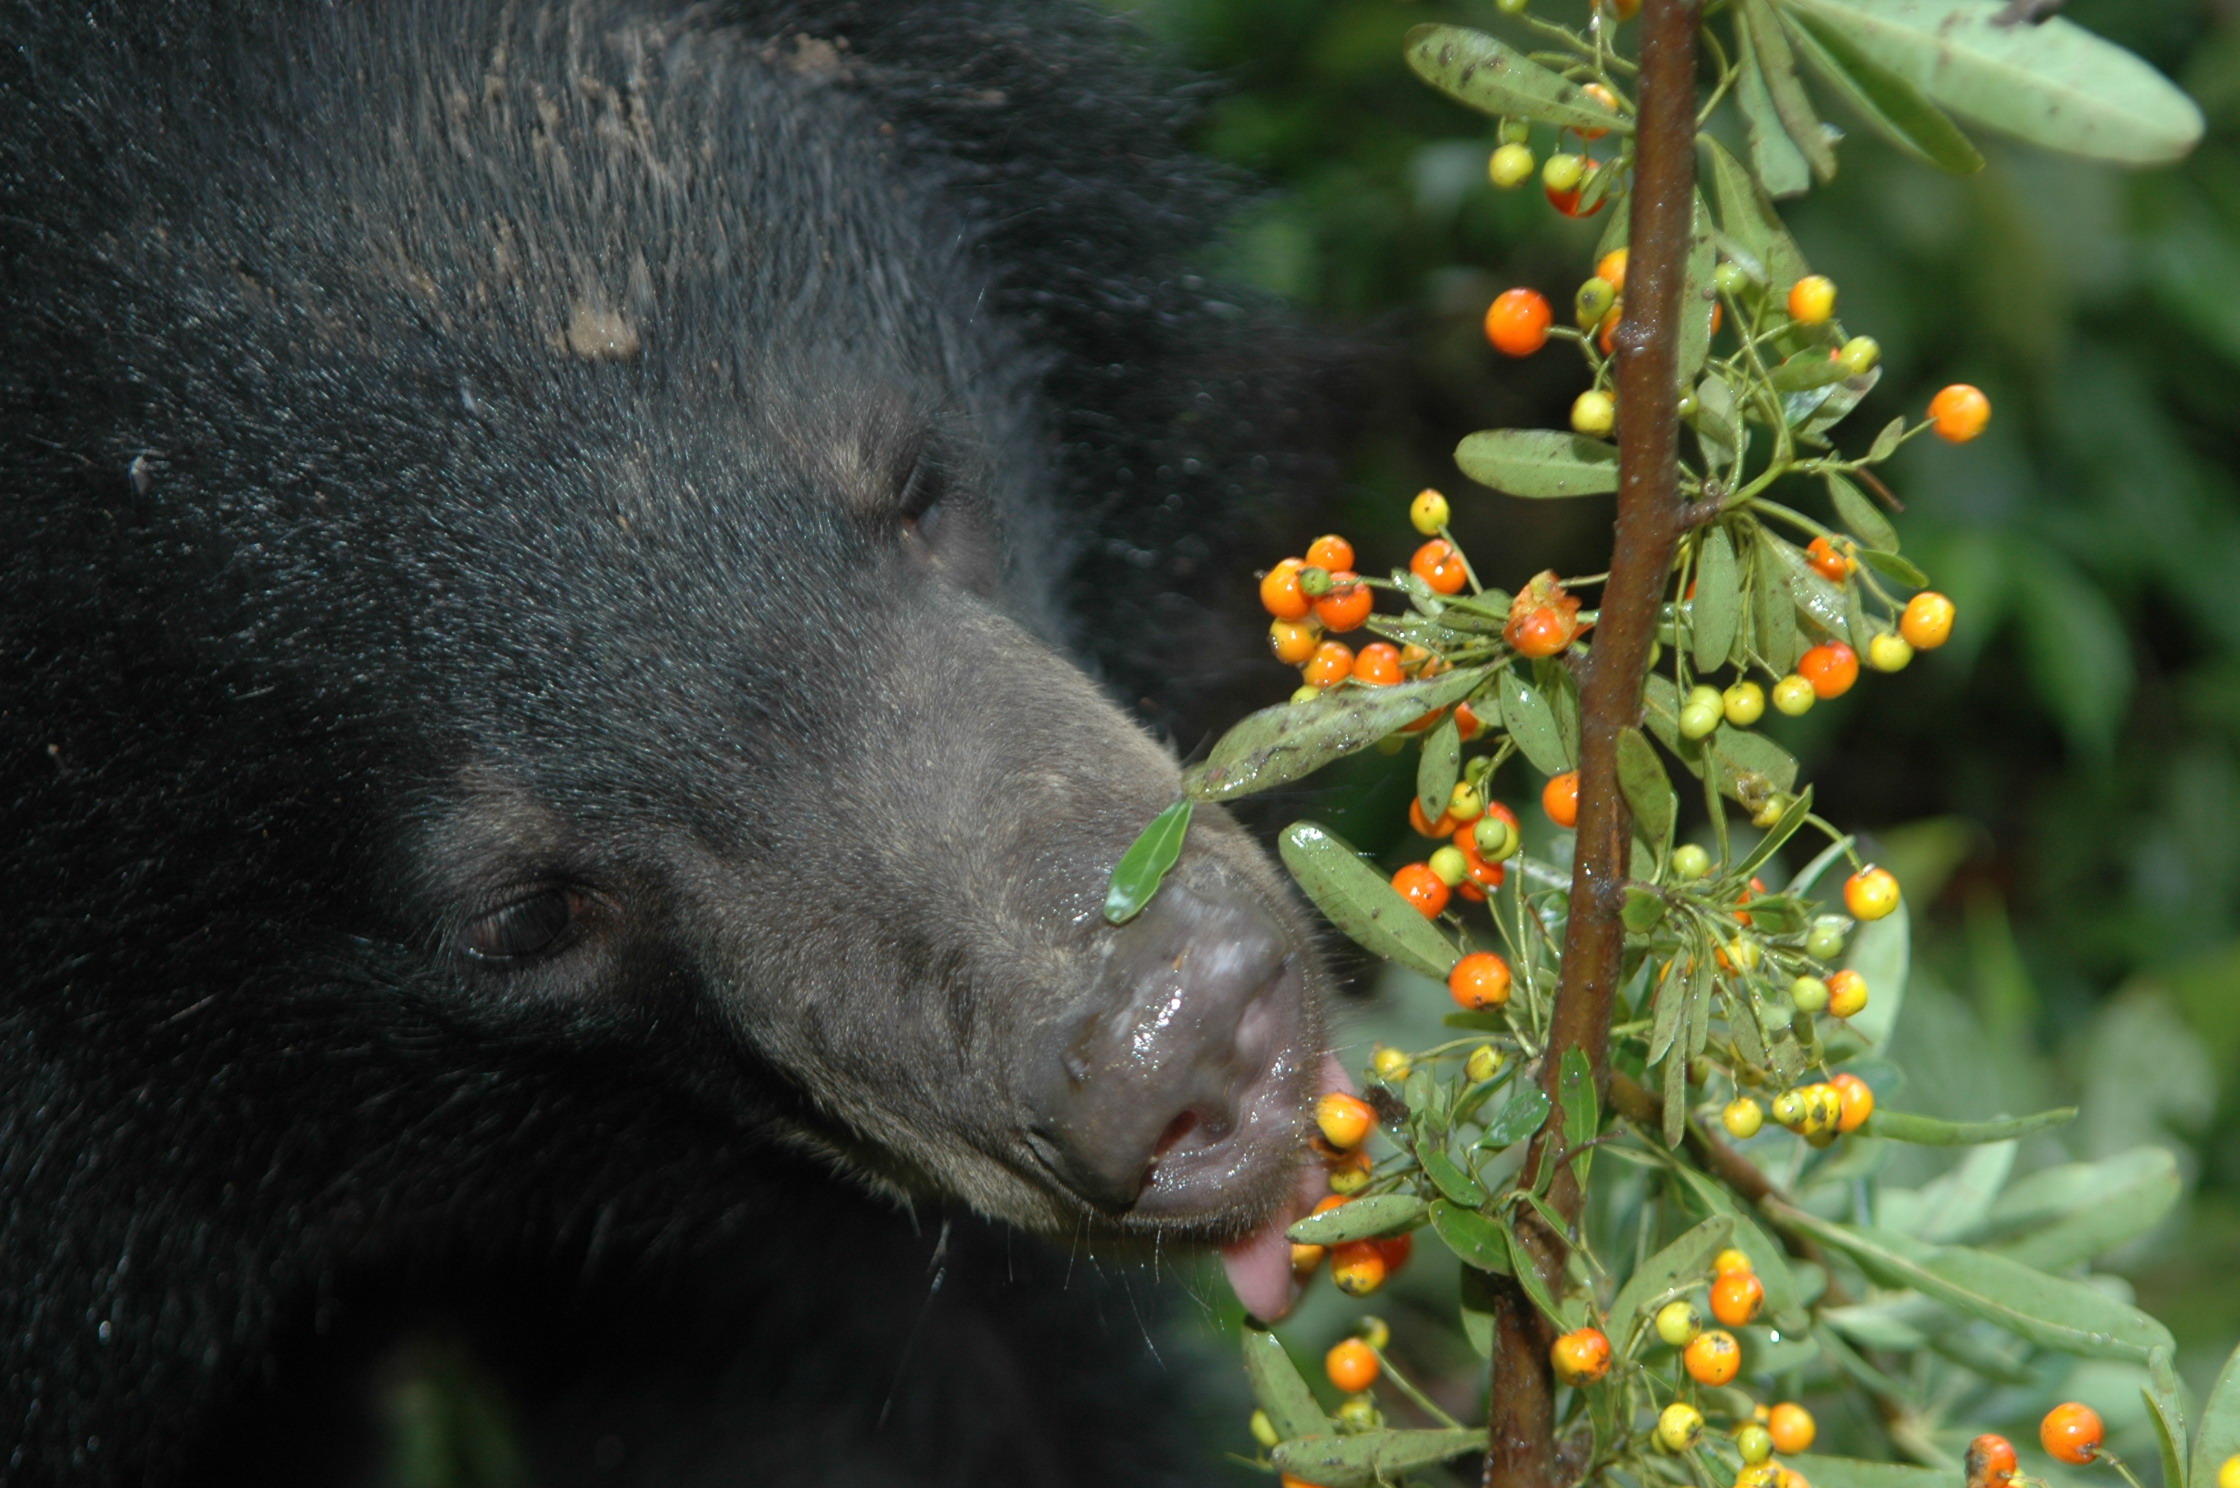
x=1561, y=689
x=1363, y=1219
x=1742, y=1024
x=1278, y=745
x=1581, y=1112
x=2219, y=1436
x=1472, y=1236
x=1780, y=166
x=1809, y=368
x=1779, y=68
x=1519, y=1117
x=1532, y=723
x=1717, y=607
x=1439, y=769
x=1279, y=1388
x=2050, y=1311
x=1643, y=909
x=1674, y=1128
x=1833, y=405
x=1776, y=616
x=2053, y=83
x=1372, y=1457
x=1893, y=106
x=1361, y=902
x=1719, y=429
x=1539, y=462
x=1928, y=1131
x=1641, y=776
x=1494, y=78
x=1136, y=877
x=1686, y=1260
x=1528, y=1277
x=1699, y=296
x=1479, y=1293
x=1671, y=1007
x=1891, y=566
x=1448, y=1177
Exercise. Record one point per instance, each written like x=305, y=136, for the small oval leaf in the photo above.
x=1439, y=769
x=1450, y=1179
x=1539, y=462
x=1860, y=516
x=1362, y=1219
x=1278, y=745
x=1279, y=1388
x=1136, y=877
x=1928, y=1131
x=1494, y=78
x=1717, y=607
x=1372, y=1457
x=1475, y=1239
x=1646, y=787
x=1362, y=903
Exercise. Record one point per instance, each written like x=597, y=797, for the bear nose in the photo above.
x=1187, y=1077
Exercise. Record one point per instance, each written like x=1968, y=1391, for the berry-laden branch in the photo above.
x=1521, y=1450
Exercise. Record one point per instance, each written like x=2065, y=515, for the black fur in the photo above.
x=380, y=391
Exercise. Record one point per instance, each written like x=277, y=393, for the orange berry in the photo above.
x=1438, y=564
x=1357, y=1267
x=1847, y=994
x=1305, y=1258
x=1608, y=100
x=1378, y=664
x=1344, y=1120
x=1396, y=1249
x=1812, y=299
x=1293, y=641
x=1479, y=980
x=1540, y=633
x=1870, y=893
x=1927, y=621
x=1422, y=888
x=1831, y=667
x=1959, y=412
x=1567, y=202
x=1581, y=1356
x=1517, y=322
x=1612, y=269
x=1991, y=1461
x=1331, y=664
x=1858, y=1102
x=1428, y=828
x=1327, y=1203
x=2072, y=1433
x=1332, y=552
x=1560, y=799
x=1352, y=1365
x=1735, y=1297
x=1280, y=593
x=1714, y=1358
x=1792, y=1428
x=1347, y=604
x=1467, y=722
x=1831, y=565
x=1483, y=875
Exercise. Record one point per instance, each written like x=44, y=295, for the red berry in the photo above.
x=1831, y=667
x=1439, y=565
x=1517, y=321
x=2072, y=1433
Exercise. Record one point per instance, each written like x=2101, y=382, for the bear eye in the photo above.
x=534, y=925
x=922, y=501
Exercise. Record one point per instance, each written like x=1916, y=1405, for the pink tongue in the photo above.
x=1259, y=1265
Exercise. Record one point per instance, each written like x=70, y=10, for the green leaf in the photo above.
x=1581, y=1112
x=1440, y=768
x=1528, y=1277
x=1372, y=1457
x=2219, y=1436
x=1860, y=516
x=1850, y=1472
x=1699, y=296
x=2166, y=1409
x=1525, y=713
x=1644, y=908
x=1891, y=566
x=1886, y=443
x=2053, y=83
x=1893, y=106
x=1278, y=745
x=1477, y=1240
x=1519, y=1117
x=1719, y=429
x=1749, y=218
x=1792, y=817
x=2143, y=1180
x=1448, y=1176
x=2049, y=1311
x=1717, y=608
x=1362, y=1219
x=1362, y=903
x=1776, y=616
x=1686, y=1260
x=1671, y=1015
x=1784, y=1303
x=1478, y=1301
x=1780, y=166
x=1830, y=406
x=1778, y=65
x=1136, y=877
x=1494, y=78
x=1814, y=597
x=1809, y=368
x=1882, y=952
x=1539, y=462
x=1279, y=1388
x=1928, y=1131
x=1647, y=790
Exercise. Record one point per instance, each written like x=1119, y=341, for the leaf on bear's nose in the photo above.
x=1136, y=877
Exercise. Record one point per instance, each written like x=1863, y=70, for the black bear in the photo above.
x=543, y=782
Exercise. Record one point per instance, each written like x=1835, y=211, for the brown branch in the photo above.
x=1521, y=1451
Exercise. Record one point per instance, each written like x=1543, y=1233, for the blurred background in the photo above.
x=2059, y=788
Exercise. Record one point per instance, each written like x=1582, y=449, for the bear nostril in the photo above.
x=1187, y=1076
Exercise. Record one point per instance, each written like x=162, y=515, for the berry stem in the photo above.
x=1521, y=1447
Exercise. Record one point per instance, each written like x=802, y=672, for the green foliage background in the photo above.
x=2060, y=786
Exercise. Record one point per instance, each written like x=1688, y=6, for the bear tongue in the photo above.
x=1259, y=1265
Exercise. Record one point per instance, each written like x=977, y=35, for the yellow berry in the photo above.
x=1742, y=1118
x=1594, y=413
x=1889, y=652
x=1429, y=512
